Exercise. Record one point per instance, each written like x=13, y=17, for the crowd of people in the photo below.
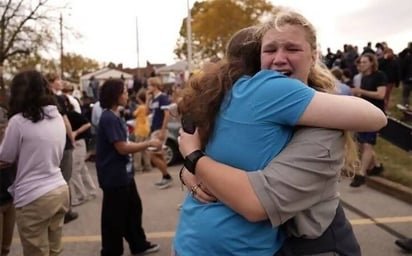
x=47, y=133
x=371, y=75
x=267, y=203
x=397, y=68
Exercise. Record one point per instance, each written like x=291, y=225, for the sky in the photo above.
x=109, y=28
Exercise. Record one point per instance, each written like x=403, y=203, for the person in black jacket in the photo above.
x=390, y=66
x=406, y=73
x=7, y=212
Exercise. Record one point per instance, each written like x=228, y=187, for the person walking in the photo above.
x=157, y=101
x=81, y=183
x=372, y=89
x=141, y=132
x=66, y=164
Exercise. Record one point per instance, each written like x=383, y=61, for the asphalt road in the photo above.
x=378, y=220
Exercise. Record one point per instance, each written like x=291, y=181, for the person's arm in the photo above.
x=230, y=185
x=96, y=113
x=69, y=130
x=304, y=174
x=163, y=130
x=11, y=144
x=82, y=129
x=4, y=165
x=299, y=176
x=379, y=94
x=342, y=112
x=166, y=117
x=124, y=148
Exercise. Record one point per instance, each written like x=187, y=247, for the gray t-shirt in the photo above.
x=302, y=182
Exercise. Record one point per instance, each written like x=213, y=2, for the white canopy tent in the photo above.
x=102, y=75
x=172, y=73
x=179, y=66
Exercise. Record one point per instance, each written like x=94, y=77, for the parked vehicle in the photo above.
x=172, y=154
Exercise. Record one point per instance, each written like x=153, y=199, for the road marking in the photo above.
x=386, y=220
x=152, y=235
x=170, y=234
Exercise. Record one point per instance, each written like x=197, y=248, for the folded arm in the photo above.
x=290, y=183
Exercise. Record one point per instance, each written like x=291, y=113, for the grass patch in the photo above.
x=397, y=162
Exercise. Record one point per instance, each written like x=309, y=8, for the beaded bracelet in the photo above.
x=181, y=176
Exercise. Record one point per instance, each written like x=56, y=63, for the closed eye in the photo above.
x=294, y=50
x=269, y=50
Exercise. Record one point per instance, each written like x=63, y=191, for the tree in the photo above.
x=25, y=27
x=215, y=21
x=29, y=61
x=75, y=65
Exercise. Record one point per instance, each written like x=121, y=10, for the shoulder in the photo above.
x=15, y=120
x=163, y=97
x=77, y=115
x=107, y=116
x=316, y=143
x=269, y=81
x=380, y=74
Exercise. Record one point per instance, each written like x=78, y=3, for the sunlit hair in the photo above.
x=141, y=94
x=29, y=93
x=389, y=53
x=373, y=59
x=155, y=82
x=51, y=77
x=110, y=93
x=203, y=94
x=337, y=72
x=320, y=78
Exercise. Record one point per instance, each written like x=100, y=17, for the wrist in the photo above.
x=191, y=160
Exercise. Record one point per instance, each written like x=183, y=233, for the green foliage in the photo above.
x=76, y=65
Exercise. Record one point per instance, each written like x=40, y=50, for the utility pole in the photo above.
x=61, y=47
x=137, y=43
x=189, y=38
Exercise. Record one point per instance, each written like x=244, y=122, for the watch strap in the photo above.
x=191, y=160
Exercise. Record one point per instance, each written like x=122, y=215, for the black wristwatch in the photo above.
x=191, y=160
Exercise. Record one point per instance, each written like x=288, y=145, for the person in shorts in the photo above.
x=158, y=128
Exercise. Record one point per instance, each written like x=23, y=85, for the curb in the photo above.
x=391, y=188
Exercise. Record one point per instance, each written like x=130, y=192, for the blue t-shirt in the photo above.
x=254, y=124
x=343, y=89
x=158, y=113
x=113, y=169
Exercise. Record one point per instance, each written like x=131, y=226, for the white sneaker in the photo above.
x=151, y=248
x=164, y=183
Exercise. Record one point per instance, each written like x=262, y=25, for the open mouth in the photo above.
x=286, y=73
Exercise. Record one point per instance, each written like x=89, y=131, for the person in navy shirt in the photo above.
x=121, y=215
x=158, y=128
